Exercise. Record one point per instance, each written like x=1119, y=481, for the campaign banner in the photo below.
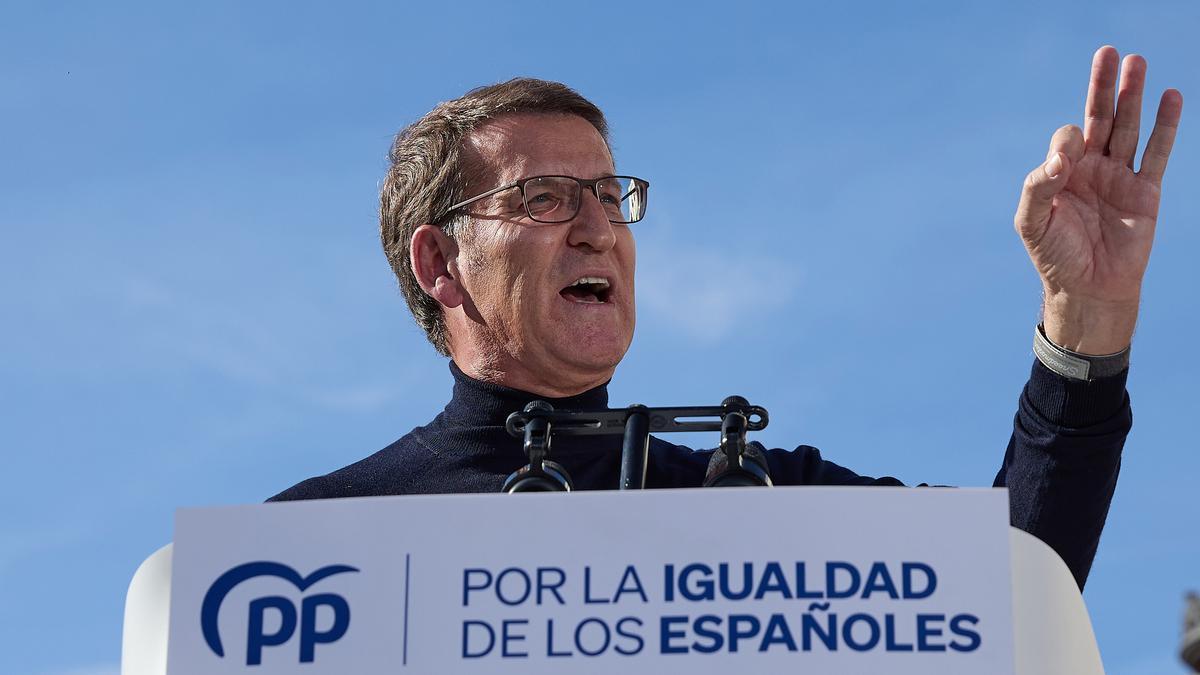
x=762, y=580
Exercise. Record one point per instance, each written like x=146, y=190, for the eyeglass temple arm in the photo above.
x=476, y=198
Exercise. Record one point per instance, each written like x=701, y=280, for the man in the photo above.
x=512, y=243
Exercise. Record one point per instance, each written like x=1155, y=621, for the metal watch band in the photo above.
x=1074, y=365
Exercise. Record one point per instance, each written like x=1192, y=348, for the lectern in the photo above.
x=1051, y=631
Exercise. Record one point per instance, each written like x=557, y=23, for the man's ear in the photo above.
x=434, y=254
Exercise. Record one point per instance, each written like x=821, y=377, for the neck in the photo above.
x=477, y=401
x=498, y=367
x=564, y=383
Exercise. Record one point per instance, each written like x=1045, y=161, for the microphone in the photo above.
x=540, y=474
x=736, y=464
x=546, y=477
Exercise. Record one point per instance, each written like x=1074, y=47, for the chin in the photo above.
x=586, y=355
x=599, y=362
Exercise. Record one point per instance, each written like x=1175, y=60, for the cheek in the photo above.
x=513, y=276
x=486, y=266
x=628, y=258
x=517, y=283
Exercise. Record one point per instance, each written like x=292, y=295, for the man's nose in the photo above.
x=590, y=227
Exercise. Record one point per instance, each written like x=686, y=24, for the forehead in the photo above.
x=522, y=145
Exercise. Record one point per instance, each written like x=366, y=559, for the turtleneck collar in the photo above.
x=478, y=403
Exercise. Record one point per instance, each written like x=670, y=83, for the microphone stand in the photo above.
x=635, y=449
x=540, y=421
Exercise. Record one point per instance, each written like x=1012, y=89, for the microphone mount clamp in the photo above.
x=539, y=422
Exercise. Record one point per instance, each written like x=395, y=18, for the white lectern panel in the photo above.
x=829, y=580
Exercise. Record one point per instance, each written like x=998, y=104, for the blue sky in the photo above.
x=196, y=310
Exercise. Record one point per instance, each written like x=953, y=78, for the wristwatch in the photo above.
x=1074, y=365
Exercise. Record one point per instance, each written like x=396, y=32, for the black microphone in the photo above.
x=540, y=474
x=736, y=464
x=545, y=477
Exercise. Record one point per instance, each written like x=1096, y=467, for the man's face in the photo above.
x=527, y=321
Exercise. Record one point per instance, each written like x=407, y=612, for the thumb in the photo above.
x=1037, y=196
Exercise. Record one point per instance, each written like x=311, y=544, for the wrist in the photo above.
x=1088, y=326
x=1075, y=366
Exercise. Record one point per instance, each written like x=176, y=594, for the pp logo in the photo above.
x=256, y=639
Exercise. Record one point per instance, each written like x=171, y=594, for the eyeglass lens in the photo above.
x=556, y=199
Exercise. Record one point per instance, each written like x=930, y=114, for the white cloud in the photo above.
x=707, y=292
x=364, y=398
x=16, y=545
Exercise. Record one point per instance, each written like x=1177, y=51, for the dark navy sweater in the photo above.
x=1060, y=467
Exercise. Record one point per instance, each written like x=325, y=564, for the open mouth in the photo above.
x=590, y=290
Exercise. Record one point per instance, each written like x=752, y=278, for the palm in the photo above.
x=1098, y=238
x=1086, y=217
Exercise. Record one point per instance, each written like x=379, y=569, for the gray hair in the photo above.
x=428, y=172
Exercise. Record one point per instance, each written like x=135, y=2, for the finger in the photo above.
x=1098, y=112
x=1122, y=145
x=1037, y=196
x=1158, y=148
x=1067, y=139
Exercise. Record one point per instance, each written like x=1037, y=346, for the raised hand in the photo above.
x=1087, y=218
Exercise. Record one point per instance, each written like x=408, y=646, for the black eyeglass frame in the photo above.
x=640, y=184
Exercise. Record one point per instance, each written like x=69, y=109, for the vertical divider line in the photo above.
x=404, y=659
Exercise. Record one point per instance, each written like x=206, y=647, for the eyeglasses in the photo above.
x=556, y=199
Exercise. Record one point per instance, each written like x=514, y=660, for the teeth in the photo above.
x=591, y=281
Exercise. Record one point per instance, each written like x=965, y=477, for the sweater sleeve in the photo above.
x=1062, y=461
